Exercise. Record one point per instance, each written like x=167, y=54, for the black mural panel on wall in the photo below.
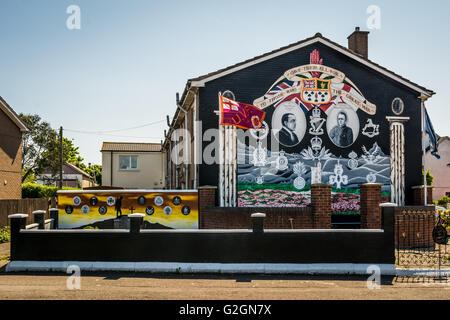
x=324, y=110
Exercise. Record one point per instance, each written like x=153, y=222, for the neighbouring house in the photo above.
x=132, y=165
x=353, y=122
x=11, y=130
x=73, y=177
x=440, y=169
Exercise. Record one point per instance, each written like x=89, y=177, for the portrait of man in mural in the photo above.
x=286, y=135
x=342, y=135
x=288, y=124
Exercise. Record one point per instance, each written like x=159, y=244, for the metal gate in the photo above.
x=415, y=247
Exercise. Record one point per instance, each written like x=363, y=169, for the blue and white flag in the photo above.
x=432, y=136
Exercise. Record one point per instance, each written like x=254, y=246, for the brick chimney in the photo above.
x=358, y=43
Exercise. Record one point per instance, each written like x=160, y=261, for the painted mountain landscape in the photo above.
x=281, y=179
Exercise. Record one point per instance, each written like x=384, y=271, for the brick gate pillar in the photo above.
x=418, y=195
x=206, y=198
x=370, y=199
x=321, y=204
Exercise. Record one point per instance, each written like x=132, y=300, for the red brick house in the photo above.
x=11, y=129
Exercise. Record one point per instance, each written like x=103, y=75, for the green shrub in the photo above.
x=443, y=201
x=35, y=190
x=429, y=178
x=5, y=234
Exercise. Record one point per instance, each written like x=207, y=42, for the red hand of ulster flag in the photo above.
x=241, y=115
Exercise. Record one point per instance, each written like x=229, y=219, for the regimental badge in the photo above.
x=159, y=201
x=176, y=200
x=167, y=210
x=299, y=183
x=186, y=210
x=76, y=201
x=85, y=209
x=111, y=201
x=282, y=162
x=316, y=91
x=149, y=210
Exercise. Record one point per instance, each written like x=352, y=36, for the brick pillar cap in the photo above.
x=207, y=187
x=18, y=216
x=136, y=215
x=39, y=211
x=320, y=185
x=388, y=204
x=258, y=215
x=53, y=209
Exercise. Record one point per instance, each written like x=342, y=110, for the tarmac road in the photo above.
x=140, y=286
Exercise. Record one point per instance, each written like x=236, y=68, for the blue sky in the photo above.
x=124, y=66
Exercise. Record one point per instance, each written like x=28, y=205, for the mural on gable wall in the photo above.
x=315, y=114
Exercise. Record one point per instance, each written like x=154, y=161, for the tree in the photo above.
x=39, y=142
x=95, y=171
x=41, y=148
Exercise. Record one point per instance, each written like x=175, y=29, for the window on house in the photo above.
x=128, y=162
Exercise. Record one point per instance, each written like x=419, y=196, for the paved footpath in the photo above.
x=132, y=286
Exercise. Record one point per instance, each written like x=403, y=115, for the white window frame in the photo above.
x=129, y=159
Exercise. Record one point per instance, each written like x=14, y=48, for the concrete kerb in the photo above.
x=221, y=268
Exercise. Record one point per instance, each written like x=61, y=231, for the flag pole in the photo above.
x=423, y=150
x=221, y=154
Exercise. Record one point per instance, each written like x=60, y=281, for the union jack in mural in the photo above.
x=312, y=84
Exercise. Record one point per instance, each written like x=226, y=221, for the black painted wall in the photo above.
x=241, y=246
x=253, y=82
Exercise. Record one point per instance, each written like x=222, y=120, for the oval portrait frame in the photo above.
x=300, y=128
x=352, y=122
x=401, y=105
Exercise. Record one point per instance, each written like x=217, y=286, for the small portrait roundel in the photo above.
x=397, y=106
x=69, y=209
x=93, y=201
x=342, y=125
x=141, y=200
x=288, y=124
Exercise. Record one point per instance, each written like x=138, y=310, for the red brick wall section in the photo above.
x=414, y=227
x=370, y=205
x=418, y=195
x=321, y=205
x=240, y=218
x=10, y=159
